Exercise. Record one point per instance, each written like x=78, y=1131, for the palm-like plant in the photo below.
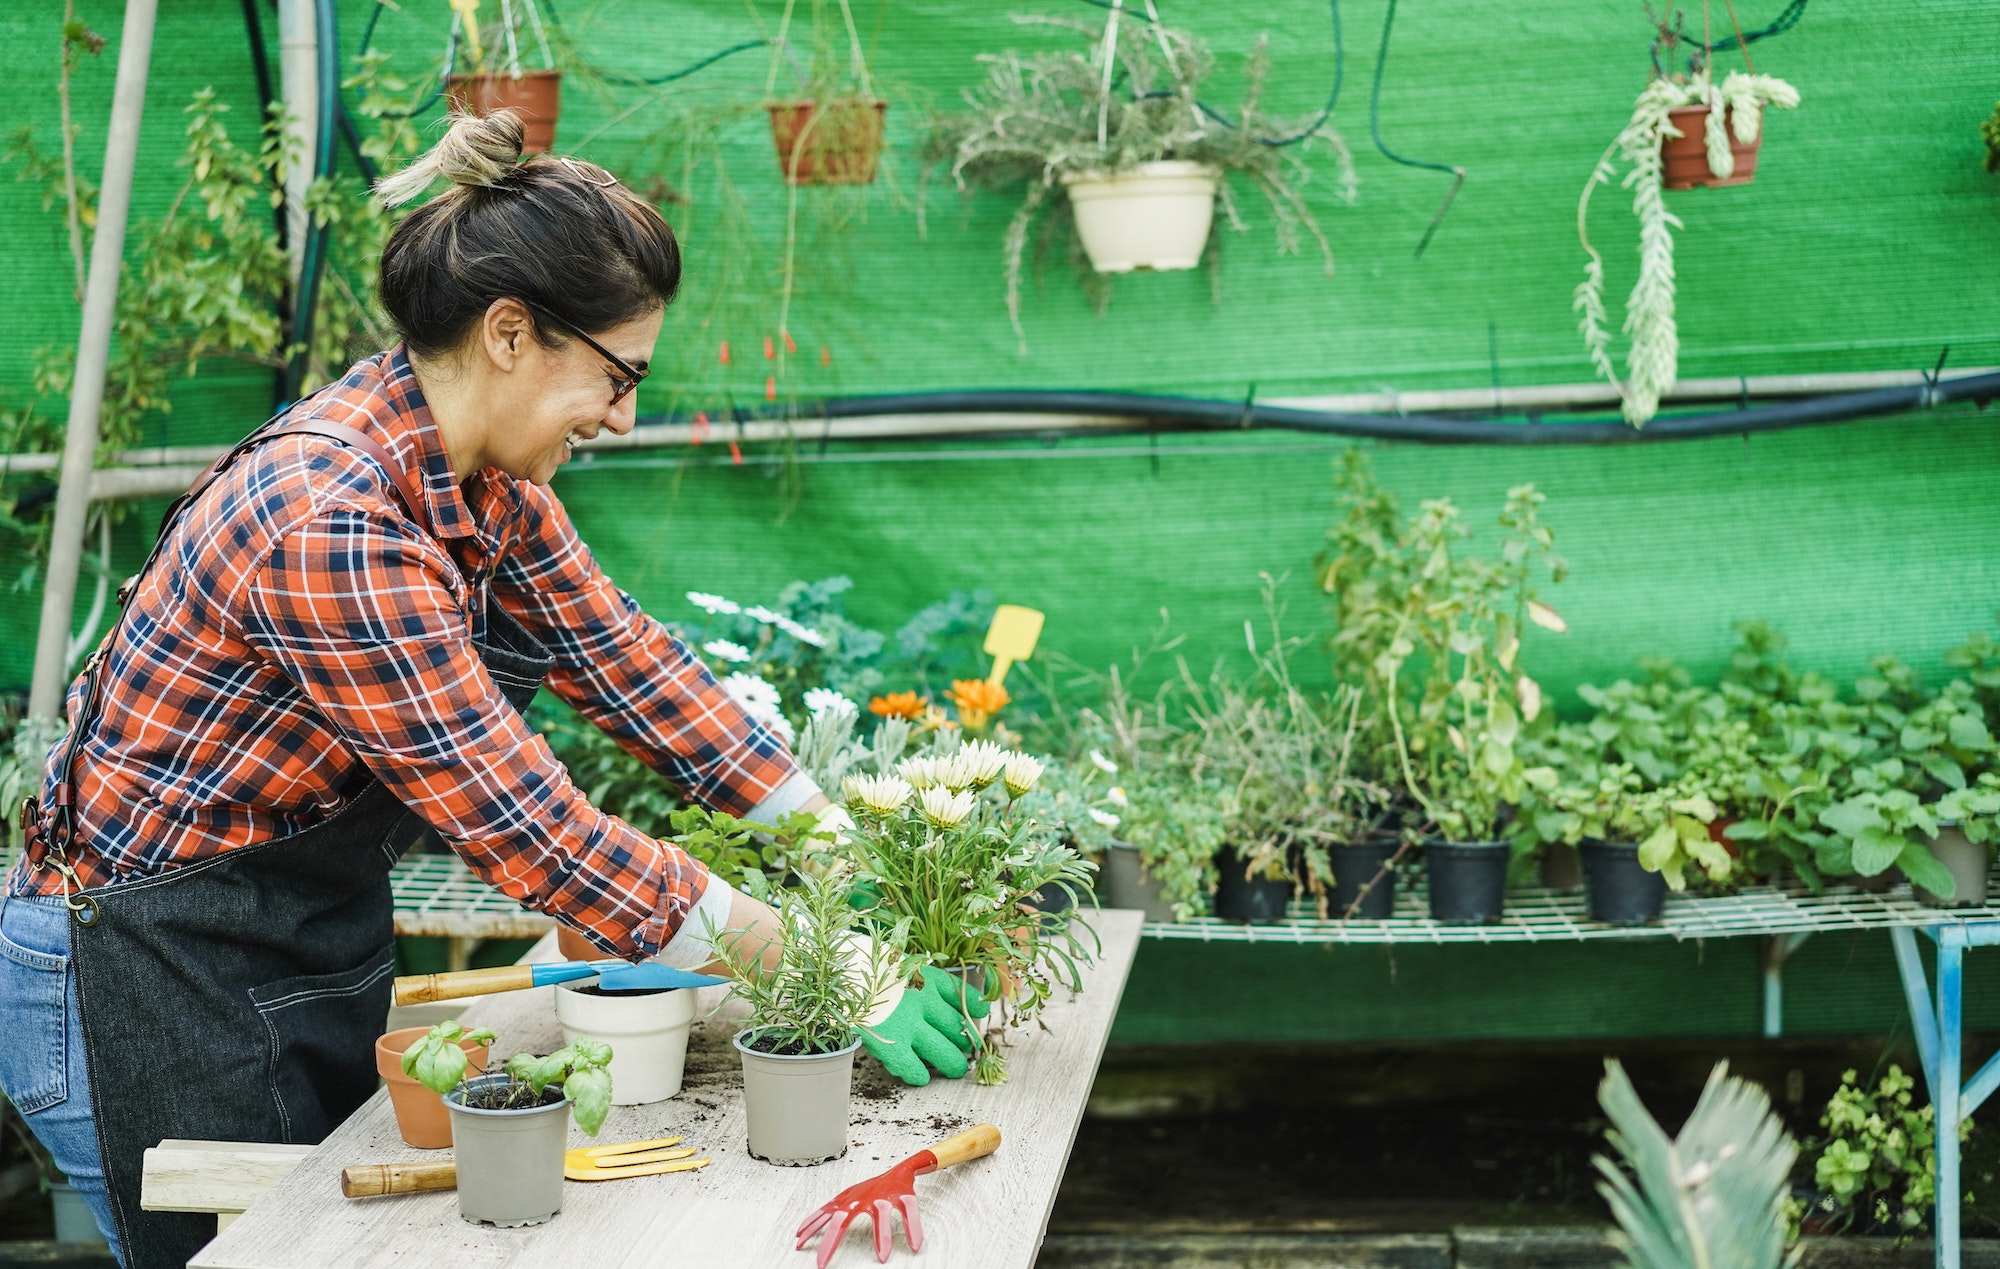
x=1711, y=1198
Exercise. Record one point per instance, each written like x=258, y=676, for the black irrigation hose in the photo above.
x=260, y=66
x=1456, y=173
x=1151, y=412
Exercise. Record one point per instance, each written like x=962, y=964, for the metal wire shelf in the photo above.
x=438, y=896
x=1544, y=916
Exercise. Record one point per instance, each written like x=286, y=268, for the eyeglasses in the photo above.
x=625, y=380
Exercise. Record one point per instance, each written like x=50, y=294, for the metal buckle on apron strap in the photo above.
x=81, y=906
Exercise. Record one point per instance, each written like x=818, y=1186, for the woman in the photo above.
x=328, y=651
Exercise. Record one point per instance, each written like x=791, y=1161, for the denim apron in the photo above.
x=238, y=998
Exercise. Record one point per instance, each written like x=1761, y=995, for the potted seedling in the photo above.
x=1113, y=135
x=1685, y=130
x=494, y=78
x=948, y=849
x=509, y=1128
x=809, y=999
x=1432, y=633
x=420, y=1112
x=1968, y=825
x=830, y=133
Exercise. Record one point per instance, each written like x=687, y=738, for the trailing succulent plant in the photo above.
x=1735, y=105
x=1126, y=96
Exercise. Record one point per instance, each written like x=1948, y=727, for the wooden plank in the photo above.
x=213, y=1176
x=987, y=1214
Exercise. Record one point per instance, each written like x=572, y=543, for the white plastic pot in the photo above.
x=1153, y=217
x=647, y=1032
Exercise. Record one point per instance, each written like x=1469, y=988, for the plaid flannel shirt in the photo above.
x=299, y=633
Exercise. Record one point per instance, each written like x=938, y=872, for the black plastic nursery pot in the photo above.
x=1468, y=881
x=1356, y=866
x=1617, y=891
x=1249, y=900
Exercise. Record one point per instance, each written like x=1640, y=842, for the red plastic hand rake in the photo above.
x=881, y=1196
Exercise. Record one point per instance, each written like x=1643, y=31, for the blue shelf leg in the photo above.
x=1917, y=993
x=1945, y=1095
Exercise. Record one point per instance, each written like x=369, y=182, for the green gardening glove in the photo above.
x=926, y=1030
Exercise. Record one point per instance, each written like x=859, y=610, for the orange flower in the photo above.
x=977, y=700
x=898, y=705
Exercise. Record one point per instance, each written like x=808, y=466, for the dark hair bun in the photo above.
x=476, y=150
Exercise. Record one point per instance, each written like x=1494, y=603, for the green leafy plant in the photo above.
x=1737, y=105
x=1975, y=809
x=1712, y=1197
x=946, y=847
x=1431, y=634
x=832, y=963
x=1128, y=95
x=1178, y=822
x=581, y=1068
x=739, y=850
x=1989, y=132
x=1877, y=1166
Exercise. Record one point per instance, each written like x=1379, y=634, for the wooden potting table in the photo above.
x=737, y=1213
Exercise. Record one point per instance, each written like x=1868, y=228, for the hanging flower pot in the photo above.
x=1153, y=217
x=1684, y=159
x=828, y=143
x=535, y=95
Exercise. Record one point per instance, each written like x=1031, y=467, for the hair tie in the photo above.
x=577, y=167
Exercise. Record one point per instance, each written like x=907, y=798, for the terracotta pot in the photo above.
x=535, y=95
x=420, y=1113
x=831, y=143
x=1684, y=159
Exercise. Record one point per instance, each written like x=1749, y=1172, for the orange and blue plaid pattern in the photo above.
x=300, y=633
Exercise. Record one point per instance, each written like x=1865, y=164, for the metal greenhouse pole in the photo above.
x=93, y=354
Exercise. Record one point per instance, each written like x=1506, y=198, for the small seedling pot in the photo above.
x=831, y=143
x=1468, y=881
x=1127, y=884
x=509, y=1162
x=1967, y=861
x=1684, y=159
x=420, y=1113
x=1355, y=866
x=1153, y=217
x=647, y=1032
x=1249, y=900
x=796, y=1106
x=535, y=95
x=1561, y=868
x=1617, y=891
x=1052, y=900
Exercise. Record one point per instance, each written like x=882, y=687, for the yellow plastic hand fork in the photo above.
x=1011, y=638
x=629, y=1158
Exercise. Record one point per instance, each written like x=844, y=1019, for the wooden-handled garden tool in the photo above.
x=883, y=1195
x=590, y=1163
x=613, y=976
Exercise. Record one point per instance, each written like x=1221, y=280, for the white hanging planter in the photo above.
x=1153, y=217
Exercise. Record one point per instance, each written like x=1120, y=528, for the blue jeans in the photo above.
x=41, y=1048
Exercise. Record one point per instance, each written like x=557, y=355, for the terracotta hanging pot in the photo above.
x=535, y=95
x=1684, y=159
x=828, y=143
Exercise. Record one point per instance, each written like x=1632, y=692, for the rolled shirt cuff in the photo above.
x=693, y=946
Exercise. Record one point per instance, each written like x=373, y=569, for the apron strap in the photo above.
x=61, y=828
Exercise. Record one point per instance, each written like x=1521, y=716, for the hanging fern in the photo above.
x=1652, y=359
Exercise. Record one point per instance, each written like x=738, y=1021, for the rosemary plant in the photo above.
x=1126, y=96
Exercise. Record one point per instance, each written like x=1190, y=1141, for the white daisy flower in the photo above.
x=821, y=699
x=804, y=634
x=922, y=773
x=1021, y=773
x=954, y=773
x=880, y=794
x=1118, y=798
x=762, y=614
x=1102, y=763
x=723, y=649
x=1105, y=818
x=946, y=809
x=714, y=603
x=758, y=698
x=983, y=761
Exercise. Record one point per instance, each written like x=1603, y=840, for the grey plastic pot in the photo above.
x=1128, y=885
x=1967, y=861
x=796, y=1107
x=510, y=1162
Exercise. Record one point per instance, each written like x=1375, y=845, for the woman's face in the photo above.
x=563, y=396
